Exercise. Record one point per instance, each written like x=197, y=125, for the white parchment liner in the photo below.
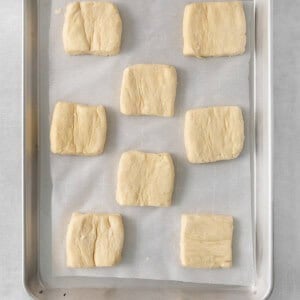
x=152, y=33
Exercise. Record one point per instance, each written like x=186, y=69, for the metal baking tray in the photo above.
x=36, y=203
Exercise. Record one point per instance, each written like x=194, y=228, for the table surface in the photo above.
x=287, y=150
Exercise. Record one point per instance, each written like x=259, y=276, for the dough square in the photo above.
x=145, y=179
x=94, y=240
x=214, y=29
x=92, y=28
x=213, y=134
x=78, y=129
x=206, y=241
x=149, y=90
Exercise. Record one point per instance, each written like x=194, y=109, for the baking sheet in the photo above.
x=152, y=34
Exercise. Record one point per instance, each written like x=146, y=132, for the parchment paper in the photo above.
x=152, y=33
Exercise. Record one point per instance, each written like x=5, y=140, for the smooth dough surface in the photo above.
x=78, y=129
x=149, y=90
x=213, y=134
x=214, y=29
x=145, y=179
x=206, y=241
x=92, y=28
x=94, y=240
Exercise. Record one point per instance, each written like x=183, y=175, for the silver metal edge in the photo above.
x=24, y=70
x=269, y=280
x=30, y=280
x=269, y=290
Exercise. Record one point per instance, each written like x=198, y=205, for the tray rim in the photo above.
x=31, y=278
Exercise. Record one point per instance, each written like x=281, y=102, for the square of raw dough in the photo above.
x=214, y=29
x=206, y=241
x=145, y=179
x=94, y=240
x=92, y=28
x=78, y=129
x=149, y=90
x=214, y=133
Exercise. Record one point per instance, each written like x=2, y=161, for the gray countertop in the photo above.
x=287, y=150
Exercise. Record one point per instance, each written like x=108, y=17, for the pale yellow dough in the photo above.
x=94, y=240
x=145, y=179
x=213, y=134
x=206, y=241
x=92, y=28
x=214, y=29
x=149, y=90
x=78, y=129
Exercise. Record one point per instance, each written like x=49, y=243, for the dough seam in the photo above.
x=94, y=240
